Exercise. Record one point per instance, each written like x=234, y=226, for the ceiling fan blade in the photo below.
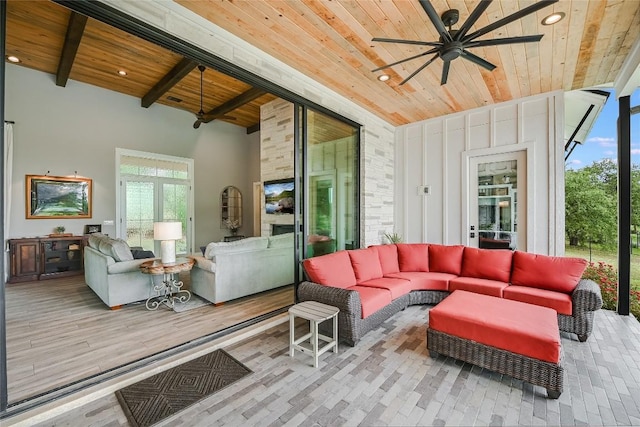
x=480, y=8
x=445, y=72
x=477, y=60
x=506, y=40
x=435, y=19
x=418, y=42
x=406, y=59
x=420, y=69
x=508, y=19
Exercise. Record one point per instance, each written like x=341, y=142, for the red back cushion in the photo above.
x=560, y=274
x=366, y=264
x=492, y=264
x=445, y=259
x=332, y=270
x=413, y=256
x=388, y=255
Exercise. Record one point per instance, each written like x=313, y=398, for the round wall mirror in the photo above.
x=231, y=208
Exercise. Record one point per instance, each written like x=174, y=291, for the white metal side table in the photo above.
x=315, y=313
x=170, y=290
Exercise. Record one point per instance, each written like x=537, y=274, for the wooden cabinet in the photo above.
x=45, y=257
x=25, y=259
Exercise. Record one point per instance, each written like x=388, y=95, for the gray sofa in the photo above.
x=230, y=270
x=113, y=274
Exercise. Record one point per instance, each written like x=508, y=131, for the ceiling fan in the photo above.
x=201, y=116
x=454, y=43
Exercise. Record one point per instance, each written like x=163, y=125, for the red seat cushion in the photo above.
x=372, y=299
x=480, y=286
x=397, y=287
x=413, y=256
x=445, y=259
x=429, y=281
x=559, y=301
x=331, y=269
x=388, y=255
x=520, y=328
x=561, y=274
x=487, y=264
x=366, y=264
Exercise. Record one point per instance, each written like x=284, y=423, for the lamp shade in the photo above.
x=167, y=230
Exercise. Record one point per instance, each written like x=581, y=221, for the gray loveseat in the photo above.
x=113, y=274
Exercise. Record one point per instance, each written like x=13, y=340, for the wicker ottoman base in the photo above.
x=534, y=371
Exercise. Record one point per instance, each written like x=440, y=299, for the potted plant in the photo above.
x=60, y=229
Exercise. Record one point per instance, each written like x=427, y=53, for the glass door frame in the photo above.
x=468, y=191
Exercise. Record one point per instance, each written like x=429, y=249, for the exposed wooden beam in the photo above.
x=234, y=103
x=75, y=29
x=176, y=74
x=254, y=128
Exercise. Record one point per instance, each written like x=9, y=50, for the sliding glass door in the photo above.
x=331, y=168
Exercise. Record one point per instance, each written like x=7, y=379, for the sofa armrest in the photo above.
x=204, y=263
x=347, y=301
x=586, y=296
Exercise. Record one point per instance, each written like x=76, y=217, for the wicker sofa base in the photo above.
x=534, y=371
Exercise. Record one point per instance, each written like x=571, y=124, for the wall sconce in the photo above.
x=167, y=233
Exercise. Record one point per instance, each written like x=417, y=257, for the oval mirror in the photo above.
x=231, y=208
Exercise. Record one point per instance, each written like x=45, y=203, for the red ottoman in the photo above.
x=509, y=337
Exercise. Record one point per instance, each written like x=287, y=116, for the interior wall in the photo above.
x=433, y=153
x=377, y=195
x=60, y=131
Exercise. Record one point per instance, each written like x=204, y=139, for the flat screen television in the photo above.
x=279, y=196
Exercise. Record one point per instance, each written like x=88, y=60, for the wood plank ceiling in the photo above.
x=331, y=42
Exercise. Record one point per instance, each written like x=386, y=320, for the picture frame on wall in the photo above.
x=57, y=197
x=92, y=228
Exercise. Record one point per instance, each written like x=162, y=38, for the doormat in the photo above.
x=162, y=395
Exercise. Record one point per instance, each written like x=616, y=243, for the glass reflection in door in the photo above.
x=497, y=204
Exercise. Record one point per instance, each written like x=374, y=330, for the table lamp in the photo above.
x=167, y=233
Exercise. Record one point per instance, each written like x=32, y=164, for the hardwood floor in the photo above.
x=59, y=331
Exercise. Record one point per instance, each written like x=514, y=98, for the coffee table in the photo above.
x=170, y=289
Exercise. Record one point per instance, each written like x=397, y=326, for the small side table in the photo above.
x=315, y=313
x=233, y=238
x=170, y=289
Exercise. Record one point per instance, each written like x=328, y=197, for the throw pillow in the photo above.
x=120, y=250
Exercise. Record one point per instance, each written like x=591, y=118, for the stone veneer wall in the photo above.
x=276, y=153
x=377, y=140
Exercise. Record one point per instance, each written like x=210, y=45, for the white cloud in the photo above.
x=603, y=141
x=635, y=151
x=609, y=153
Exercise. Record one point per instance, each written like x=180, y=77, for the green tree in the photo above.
x=590, y=210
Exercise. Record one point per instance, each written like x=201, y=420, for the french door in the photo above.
x=498, y=201
x=154, y=188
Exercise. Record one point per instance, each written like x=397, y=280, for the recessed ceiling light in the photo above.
x=383, y=77
x=554, y=18
x=122, y=72
x=13, y=59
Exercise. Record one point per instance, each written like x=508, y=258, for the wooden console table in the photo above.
x=41, y=258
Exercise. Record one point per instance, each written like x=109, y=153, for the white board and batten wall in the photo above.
x=436, y=153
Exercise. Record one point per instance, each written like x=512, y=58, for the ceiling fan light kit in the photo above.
x=453, y=44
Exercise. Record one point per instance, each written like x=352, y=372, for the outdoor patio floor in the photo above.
x=388, y=378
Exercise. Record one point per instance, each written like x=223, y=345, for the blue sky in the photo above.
x=602, y=141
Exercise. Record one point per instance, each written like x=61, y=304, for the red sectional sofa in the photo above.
x=370, y=285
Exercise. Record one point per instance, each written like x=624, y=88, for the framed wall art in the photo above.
x=57, y=197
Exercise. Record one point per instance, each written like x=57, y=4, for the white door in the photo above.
x=498, y=201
